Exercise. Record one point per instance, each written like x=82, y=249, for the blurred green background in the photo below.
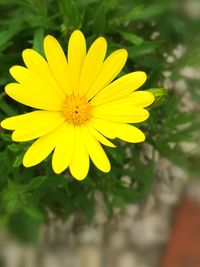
x=162, y=39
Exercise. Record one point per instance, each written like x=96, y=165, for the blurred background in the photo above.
x=146, y=213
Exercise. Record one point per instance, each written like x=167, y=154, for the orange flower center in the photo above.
x=76, y=109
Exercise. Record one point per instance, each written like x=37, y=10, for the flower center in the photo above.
x=76, y=109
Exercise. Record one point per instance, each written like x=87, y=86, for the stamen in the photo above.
x=76, y=109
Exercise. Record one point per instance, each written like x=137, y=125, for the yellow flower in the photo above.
x=79, y=105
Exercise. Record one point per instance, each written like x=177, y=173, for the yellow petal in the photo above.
x=79, y=165
x=92, y=64
x=136, y=99
x=95, y=151
x=104, y=127
x=140, y=99
x=120, y=113
x=120, y=88
x=58, y=63
x=15, y=122
x=76, y=56
x=100, y=137
x=41, y=148
x=33, y=125
x=129, y=133
x=123, y=131
x=37, y=64
x=32, y=91
x=64, y=148
x=31, y=98
x=110, y=69
x=33, y=81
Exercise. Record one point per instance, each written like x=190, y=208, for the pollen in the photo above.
x=77, y=109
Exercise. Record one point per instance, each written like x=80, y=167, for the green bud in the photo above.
x=160, y=95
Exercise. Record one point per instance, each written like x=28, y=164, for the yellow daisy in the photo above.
x=79, y=106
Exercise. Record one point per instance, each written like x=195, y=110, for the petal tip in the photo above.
x=55, y=168
x=77, y=32
x=100, y=42
x=113, y=145
x=13, y=136
x=3, y=124
x=143, y=138
x=107, y=170
x=78, y=174
x=144, y=75
x=79, y=177
x=49, y=38
x=26, y=163
x=152, y=98
x=12, y=70
x=102, y=39
x=147, y=114
x=26, y=160
x=57, y=171
x=124, y=52
x=8, y=89
x=140, y=137
x=25, y=51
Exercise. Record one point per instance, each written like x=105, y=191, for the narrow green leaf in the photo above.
x=35, y=183
x=33, y=212
x=99, y=20
x=132, y=38
x=38, y=40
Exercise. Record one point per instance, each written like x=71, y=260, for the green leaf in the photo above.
x=32, y=211
x=90, y=208
x=38, y=40
x=4, y=220
x=14, y=147
x=151, y=10
x=11, y=29
x=118, y=201
x=99, y=20
x=70, y=13
x=176, y=156
x=11, y=198
x=132, y=38
x=143, y=49
x=116, y=155
x=24, y=227
x=6, y=108
x=18, y=160
x=35, y=183
x=83, y=3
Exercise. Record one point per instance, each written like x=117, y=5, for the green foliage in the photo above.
x=150, y=31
